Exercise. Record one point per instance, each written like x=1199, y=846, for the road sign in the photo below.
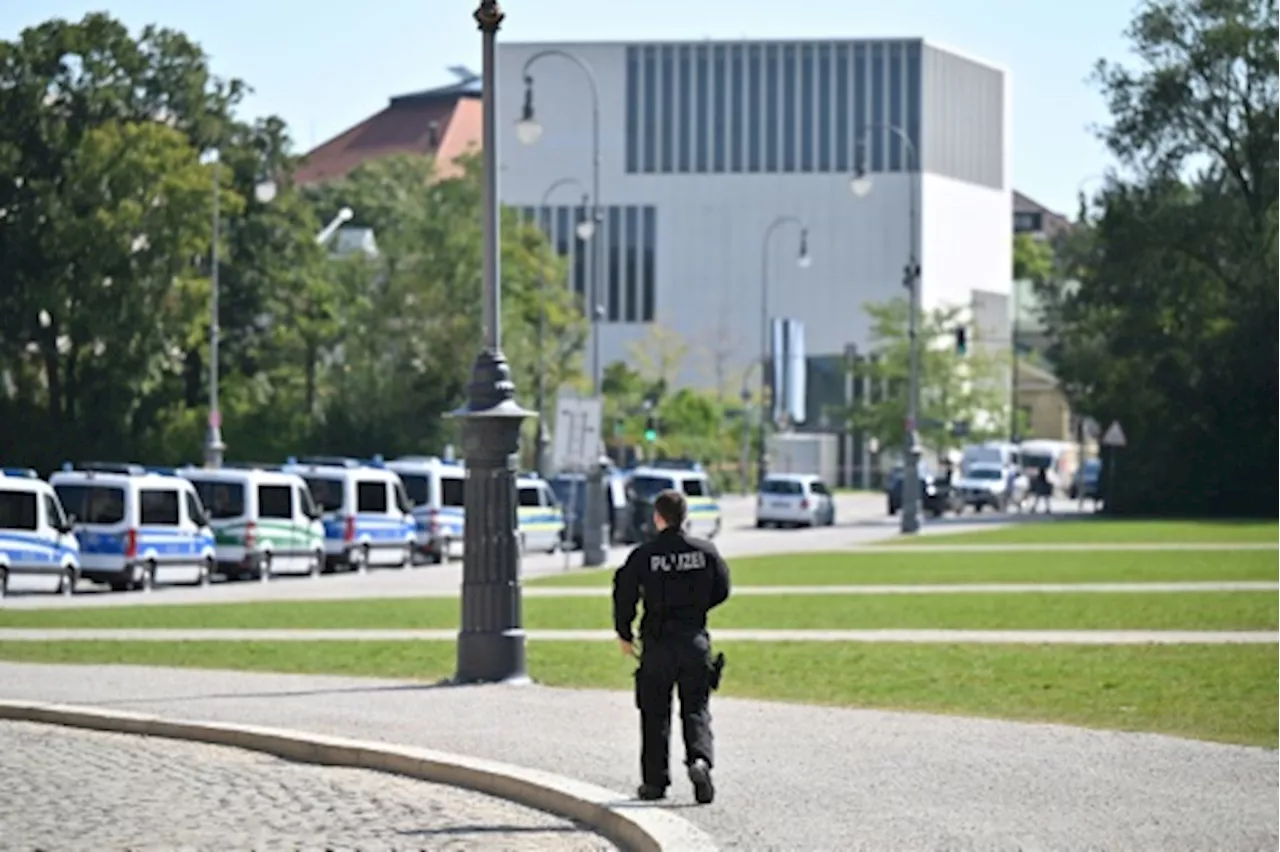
x=1114, y=436
x=577, y=438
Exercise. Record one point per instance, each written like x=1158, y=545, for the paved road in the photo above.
x=69, y=789
x=910, y=636
x=861, y=522
x=792, y=778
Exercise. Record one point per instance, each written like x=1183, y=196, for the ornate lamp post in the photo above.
x=585, y=230
x=491, y=643
x=769, y=405
x=861, y=186
x=529, y=131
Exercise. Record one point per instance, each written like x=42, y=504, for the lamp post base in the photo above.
x=595, y=528
x=491, y=644
x=912, y=498
x=491, y=658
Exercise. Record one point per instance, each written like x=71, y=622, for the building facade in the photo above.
x=704, y=145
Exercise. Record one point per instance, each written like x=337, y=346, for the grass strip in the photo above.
x=1220, y=693
x=1090, y=530
x=1052, y=611
x=881, y=567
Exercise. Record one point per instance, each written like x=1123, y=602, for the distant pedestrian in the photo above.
x=1041, y=489
x=680, y=579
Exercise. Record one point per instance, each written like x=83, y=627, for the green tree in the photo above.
x=1172, y=328
x=409, y=327
x=954, y=388
x=103, y=206
x=1033, y=259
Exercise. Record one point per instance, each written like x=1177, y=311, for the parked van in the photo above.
x=137, y=528
x=704, y=510
x=436, y=490
x=36, y=537
x=1060, y=457
x=264, y=521
x=541, y=518
x=367, y=516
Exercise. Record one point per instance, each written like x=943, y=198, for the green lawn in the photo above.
x=1071, y=611
x=1086, y=530
x=886, y=567
x=1222, y=693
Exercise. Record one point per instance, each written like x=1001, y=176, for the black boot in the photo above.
x=700, y=774
x=651, y=793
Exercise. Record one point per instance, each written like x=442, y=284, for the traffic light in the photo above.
x=962, y=340
x=651, y=429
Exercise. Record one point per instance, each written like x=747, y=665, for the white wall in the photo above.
x=711, y=227
x=967, y=241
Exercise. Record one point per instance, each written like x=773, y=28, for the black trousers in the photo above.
x=682, y=662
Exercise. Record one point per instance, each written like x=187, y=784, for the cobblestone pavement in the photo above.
x=68, y=789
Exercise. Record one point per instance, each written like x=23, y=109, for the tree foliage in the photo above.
x=1173, y=327
x=106, y=226
x=954, y=387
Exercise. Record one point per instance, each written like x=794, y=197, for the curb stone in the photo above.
x=633, y=826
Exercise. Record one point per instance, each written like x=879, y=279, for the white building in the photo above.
x=704, y=144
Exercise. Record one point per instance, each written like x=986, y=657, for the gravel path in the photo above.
x=792, y=778
x=989, y=637
x=69, y=789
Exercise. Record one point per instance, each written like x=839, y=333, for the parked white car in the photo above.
x=990, y=485
x=794, y=500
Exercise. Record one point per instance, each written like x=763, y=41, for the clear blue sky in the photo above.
x=325, y=65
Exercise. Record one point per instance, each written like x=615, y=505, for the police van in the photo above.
x=36, y=538
x=436, y=489
x=367, y=516
x=264, y=521
x=686, y=477
x=542, y=527
x=137, y=528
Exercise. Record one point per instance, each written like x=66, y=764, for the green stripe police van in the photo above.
x=264, y=521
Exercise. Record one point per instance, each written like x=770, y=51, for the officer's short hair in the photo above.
x=672, y=508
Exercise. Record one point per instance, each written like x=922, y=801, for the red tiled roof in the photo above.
x=439, y=123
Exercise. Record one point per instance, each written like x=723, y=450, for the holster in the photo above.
x=717, y=669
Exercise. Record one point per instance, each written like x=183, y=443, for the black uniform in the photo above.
x=680, y=579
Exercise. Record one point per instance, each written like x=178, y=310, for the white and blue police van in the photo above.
x=137, y=527
x=367, y=516
x=37, y=542
x=436, y=489
x=540, y=516
x=687, y=477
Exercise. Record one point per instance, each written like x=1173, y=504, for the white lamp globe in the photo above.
x=528, y=131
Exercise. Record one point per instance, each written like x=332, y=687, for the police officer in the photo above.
x=680, y=579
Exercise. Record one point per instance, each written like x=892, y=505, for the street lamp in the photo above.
x=491, y=643
x=264, y=192
x=529, y=131
x=346, y=214
x=861, y=185
x=766, y=374
x=584, y=234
